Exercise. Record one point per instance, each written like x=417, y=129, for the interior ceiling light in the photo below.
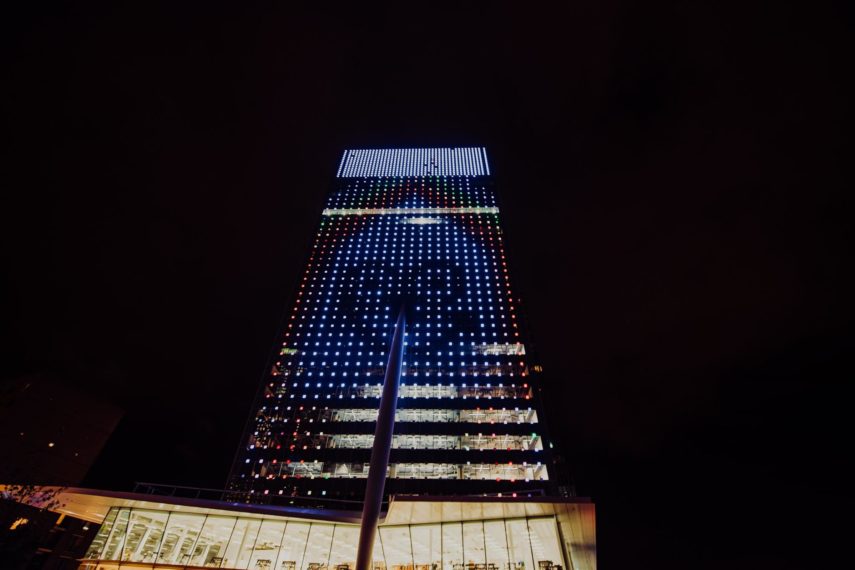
x=421, y=221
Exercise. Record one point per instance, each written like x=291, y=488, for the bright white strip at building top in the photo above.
x=384, y=211
x=467, y=161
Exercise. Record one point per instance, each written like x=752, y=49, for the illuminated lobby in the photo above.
x=142, y=531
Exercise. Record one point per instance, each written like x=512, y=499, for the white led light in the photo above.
x=466, y=161
x=392, y=211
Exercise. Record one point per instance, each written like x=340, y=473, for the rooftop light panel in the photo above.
x=382, y=162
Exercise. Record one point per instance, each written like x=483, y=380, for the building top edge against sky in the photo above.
x=379, y=162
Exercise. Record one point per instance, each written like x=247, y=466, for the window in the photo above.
x=424, y=471
x=452, y=546
x=318, y=547
x=515, y=349
x=519, y=546
x=495, y=541
x=266, y=549
x=145, y=531
x=505, y=471
x=544, y=543
x=427, y=545
x=180, y=536
x=211, y=546
x=502, y=441
x=96, y=549
x=293, y=546
x=240, y=543
x=116, y=539
x=396, y=546
x=345, y=539
x=473, y=543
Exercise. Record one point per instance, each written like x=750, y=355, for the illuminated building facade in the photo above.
x=418, y=227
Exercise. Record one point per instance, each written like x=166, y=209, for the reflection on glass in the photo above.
x=97, y=547
x=266, y=549
x=241, y=543
x=116, y=539
x=496, y=543
x=518, y=544
x=544, y=543
x=318, y=548
x=396, y=547
x=293, y=546
x=245, y=553
x=182, y=530
x=145, y=529
x=473, y=545
x=212, y=541
x=427, y=546
x=378, y=556
x=343, y=553
x=452, y=546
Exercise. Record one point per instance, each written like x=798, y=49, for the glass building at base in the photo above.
x=139, y=532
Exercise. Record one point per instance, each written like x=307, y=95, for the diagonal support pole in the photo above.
x=382, y=447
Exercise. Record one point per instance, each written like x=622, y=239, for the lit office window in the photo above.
x=181, y=533
x=144, y=534
x=211, y=546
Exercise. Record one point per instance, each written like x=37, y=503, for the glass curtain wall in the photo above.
x=140, y=538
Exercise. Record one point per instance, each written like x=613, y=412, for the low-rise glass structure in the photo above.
x=420, y=533
x=216, y=541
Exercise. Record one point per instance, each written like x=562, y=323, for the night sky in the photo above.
x=671, y=178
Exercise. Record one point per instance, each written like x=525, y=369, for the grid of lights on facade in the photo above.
x=414, y=224
x=133, y=538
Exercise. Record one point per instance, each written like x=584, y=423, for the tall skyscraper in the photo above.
x=411, y=228
x=419, y=228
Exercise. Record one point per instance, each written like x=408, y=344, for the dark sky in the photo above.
x=672, y=183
